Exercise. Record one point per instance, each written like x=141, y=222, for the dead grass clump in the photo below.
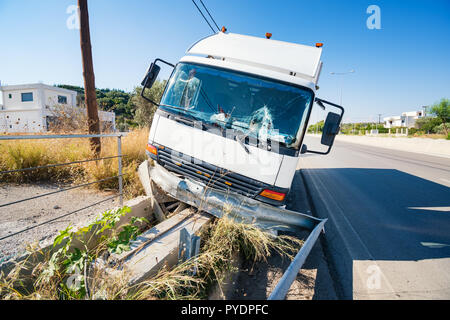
x=222, y=240
x=21, y=154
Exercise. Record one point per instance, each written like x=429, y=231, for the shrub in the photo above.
x=412, y=131
x=440, y=129
x=427, y=124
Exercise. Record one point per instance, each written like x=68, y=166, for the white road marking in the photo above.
x=434, y=245
x=442, y=209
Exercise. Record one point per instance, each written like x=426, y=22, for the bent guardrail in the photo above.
x=282, y=287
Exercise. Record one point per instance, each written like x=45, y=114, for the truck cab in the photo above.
x=234, y=114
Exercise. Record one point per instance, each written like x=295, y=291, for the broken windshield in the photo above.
x=266, y=110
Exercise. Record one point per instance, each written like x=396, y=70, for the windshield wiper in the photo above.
x=181, y=109
x=195, y=118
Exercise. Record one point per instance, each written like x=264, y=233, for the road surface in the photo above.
x=388, y=234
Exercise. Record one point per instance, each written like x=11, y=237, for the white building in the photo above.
x=406, y=120
x=28, y=107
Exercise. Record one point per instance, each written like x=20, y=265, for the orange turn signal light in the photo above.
x=224, y=29
x=273, y=195
x=268, y=35
x=152, y=149
x=319, y=45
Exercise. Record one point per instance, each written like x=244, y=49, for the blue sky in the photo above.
x=401, y=67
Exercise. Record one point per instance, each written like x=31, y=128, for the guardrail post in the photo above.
x=119, y=153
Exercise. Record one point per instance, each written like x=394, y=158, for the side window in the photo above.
x=27, y=96
x=10, y=96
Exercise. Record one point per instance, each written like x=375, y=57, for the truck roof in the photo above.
x=284, y=57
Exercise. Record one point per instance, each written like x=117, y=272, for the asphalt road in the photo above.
x=388, y=234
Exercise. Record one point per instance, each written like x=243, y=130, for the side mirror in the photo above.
x=150, y=78
x=330, y=128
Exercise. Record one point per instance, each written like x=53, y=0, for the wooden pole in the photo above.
x=88, y=75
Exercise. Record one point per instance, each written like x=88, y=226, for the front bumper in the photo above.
x=218, y=202
x=214, y=176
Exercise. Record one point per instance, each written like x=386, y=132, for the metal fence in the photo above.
x=119, y=175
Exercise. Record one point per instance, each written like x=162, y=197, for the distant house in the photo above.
x=406, y=120
x=28, y=107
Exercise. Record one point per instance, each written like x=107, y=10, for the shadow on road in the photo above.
x=393, y=215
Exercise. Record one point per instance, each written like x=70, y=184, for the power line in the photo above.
x=199, y=10
x=210, y=15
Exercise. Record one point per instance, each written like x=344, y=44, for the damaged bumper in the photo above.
x=218, y=202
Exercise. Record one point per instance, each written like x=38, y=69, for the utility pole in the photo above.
x=88, y=75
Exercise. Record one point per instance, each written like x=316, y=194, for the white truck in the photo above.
x=229, y=128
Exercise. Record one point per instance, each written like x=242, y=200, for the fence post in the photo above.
x=119, y=153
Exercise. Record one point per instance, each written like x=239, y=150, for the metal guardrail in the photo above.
x=283, y=286
x=248, y=210
x=119, y=176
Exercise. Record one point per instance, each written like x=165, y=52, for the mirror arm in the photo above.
x=146, y=79
x=320, y=104
x=168, y=63
x=320, y=152
x=321, y=101
x=148, y=99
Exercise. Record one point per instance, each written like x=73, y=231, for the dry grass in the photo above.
x=20, y=154
x=221, y=240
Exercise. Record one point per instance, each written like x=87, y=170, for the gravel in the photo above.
x=30, y=213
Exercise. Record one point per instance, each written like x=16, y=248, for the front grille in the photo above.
x=209, y=174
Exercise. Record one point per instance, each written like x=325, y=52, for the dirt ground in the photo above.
x=26, y=214
x=257, y=281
